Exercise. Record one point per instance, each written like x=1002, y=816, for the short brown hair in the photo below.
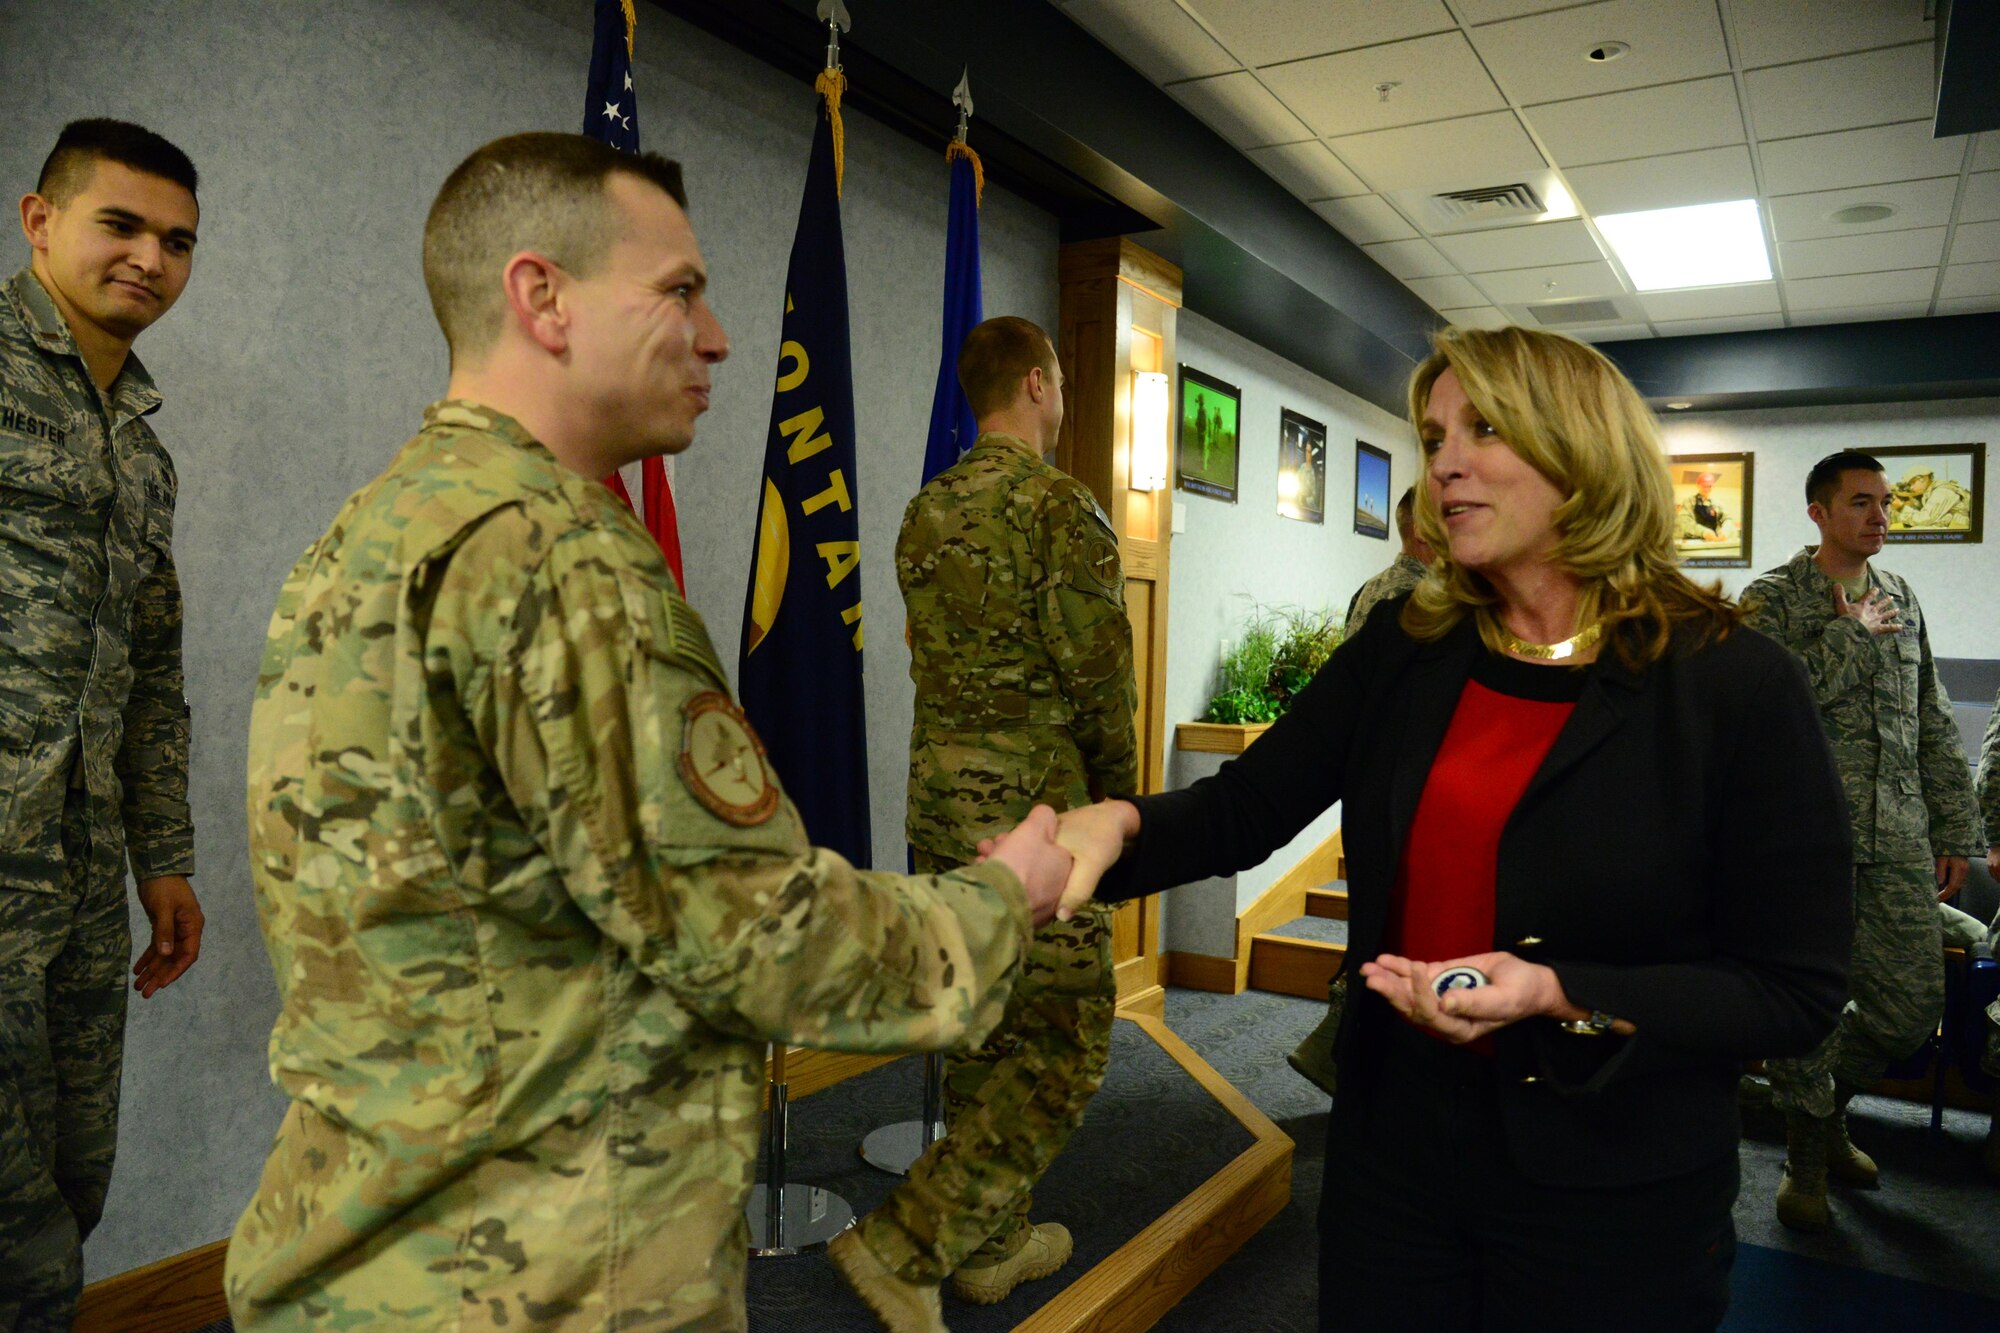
x=1406, y=513
x=84, y=143
x=997, y=356
x=541, y=192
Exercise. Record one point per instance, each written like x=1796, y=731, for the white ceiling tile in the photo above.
x=1445, y=155
x=1771, y=32
x=1241, y=110
x=1975, y=242
x=1642, y=123
x=1963, y=280
x=1982, y=198
x=1522, y=247
x=1614, y=333
x=1862, y=314
x=1264, y=32
x=1493, y=11
x=1438, y=77
x=1859, y=289
x=1871, y=88
x=1903, y=152
x=1446, y=292
x=1160, y=41
x=1410, y=259
x=1712, y=176
x=1309, y=170
x=1673, y=328
x=1801, y=217
x=1986, y=154
x=1365, y=219
x=1748, y=298
x=1877, y=252
x=1476, y=317
x=1968, y=305
x=1541, y=59
x=1554, y=282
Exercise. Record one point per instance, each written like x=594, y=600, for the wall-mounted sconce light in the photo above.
x=1149, y=430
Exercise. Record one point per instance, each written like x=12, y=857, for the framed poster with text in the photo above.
x=1712, y=494
x=1206, y=457
x=1937, y=492
x=1301, y=467
x=1371, y=490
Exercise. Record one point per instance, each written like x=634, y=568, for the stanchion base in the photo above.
x=812, y=1217
x=895, y=1148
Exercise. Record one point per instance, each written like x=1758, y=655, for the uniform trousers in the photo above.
x=1426, y=1223
x=64, y=950
x=1010, y=1106
x=1895, y=989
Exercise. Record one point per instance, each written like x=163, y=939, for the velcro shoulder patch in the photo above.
x=669, y=628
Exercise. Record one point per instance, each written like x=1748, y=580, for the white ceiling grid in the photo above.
x=1809, y=106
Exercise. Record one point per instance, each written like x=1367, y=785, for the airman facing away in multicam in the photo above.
x=533, y=897
x=93, y=718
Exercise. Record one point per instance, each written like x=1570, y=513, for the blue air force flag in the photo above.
x=610, y=107
x=800, y=669
x=952, y=426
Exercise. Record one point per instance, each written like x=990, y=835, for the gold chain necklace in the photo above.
x=1576, y=643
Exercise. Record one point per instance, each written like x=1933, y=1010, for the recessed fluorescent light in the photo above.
x=1707, y=245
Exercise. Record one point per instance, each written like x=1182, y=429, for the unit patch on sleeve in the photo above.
x=723, y=763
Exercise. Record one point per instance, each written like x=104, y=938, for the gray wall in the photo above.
x=1233, y=556
x=1957, y=585
x=304, y=350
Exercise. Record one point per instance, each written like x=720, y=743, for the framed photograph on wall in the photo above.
x=1937, y=492
x=1301, y=467
x=1371, y=490
x=1210, y=410
x=1712, y=494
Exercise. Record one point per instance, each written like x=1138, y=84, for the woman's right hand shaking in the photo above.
x=1096, y=836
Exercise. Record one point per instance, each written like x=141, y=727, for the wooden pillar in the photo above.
x=1118, y=308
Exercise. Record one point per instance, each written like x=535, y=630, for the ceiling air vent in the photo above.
x=1490, y=202
x=1560, y=314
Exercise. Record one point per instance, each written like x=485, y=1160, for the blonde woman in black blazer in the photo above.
x=1573, y=768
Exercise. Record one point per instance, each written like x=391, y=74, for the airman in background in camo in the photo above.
x=93, y=719
x=1861, y=635
x=1987, y=785
x=1021, y=654
x=534, y=899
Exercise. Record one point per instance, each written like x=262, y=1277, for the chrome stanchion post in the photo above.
x=896, y=1148
x=784, y=1218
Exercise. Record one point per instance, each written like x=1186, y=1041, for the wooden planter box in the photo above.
x=1218, y=737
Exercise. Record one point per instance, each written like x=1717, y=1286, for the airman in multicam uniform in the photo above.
x=1861, y=635
x=534, y=899
x=93, y=721
x=1021, y=654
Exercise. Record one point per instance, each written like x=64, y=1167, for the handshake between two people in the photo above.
x=1059, y=859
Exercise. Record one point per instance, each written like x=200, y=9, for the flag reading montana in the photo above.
x=800, y=669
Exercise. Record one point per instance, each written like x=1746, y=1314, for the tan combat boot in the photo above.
x=1845, y=1162
x=901, y=1305
x=1802, y=1191
x=1046, y=1249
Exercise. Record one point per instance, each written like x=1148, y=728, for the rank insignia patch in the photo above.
x=723, y=763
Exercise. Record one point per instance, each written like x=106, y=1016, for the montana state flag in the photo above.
x=799, y=674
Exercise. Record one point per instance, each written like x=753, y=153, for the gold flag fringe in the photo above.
x=631, y=27
x=956, y=149
x=830, y=84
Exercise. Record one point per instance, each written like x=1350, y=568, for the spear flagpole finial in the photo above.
x=835, y=16
x=961, y=97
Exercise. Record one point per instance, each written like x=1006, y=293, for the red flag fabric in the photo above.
x=661, y=520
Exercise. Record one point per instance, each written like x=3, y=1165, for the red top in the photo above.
x=1504, y=726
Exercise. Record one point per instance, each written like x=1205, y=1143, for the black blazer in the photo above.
x=1681, y=859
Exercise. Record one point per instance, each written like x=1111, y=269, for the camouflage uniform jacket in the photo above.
x=1019, y=647
x=1406, y=573
x=90, y=609
x=1988, y=784
x=535, y=902
x=1884, y=710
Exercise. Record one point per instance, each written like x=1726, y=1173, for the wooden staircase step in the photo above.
x=1291, y=966
x=1329, y=901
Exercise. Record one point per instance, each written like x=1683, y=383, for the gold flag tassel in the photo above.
x=631, y=27
x=957, y=149
x=830, y=84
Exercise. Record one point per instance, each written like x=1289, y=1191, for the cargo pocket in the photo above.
x=34, y=771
